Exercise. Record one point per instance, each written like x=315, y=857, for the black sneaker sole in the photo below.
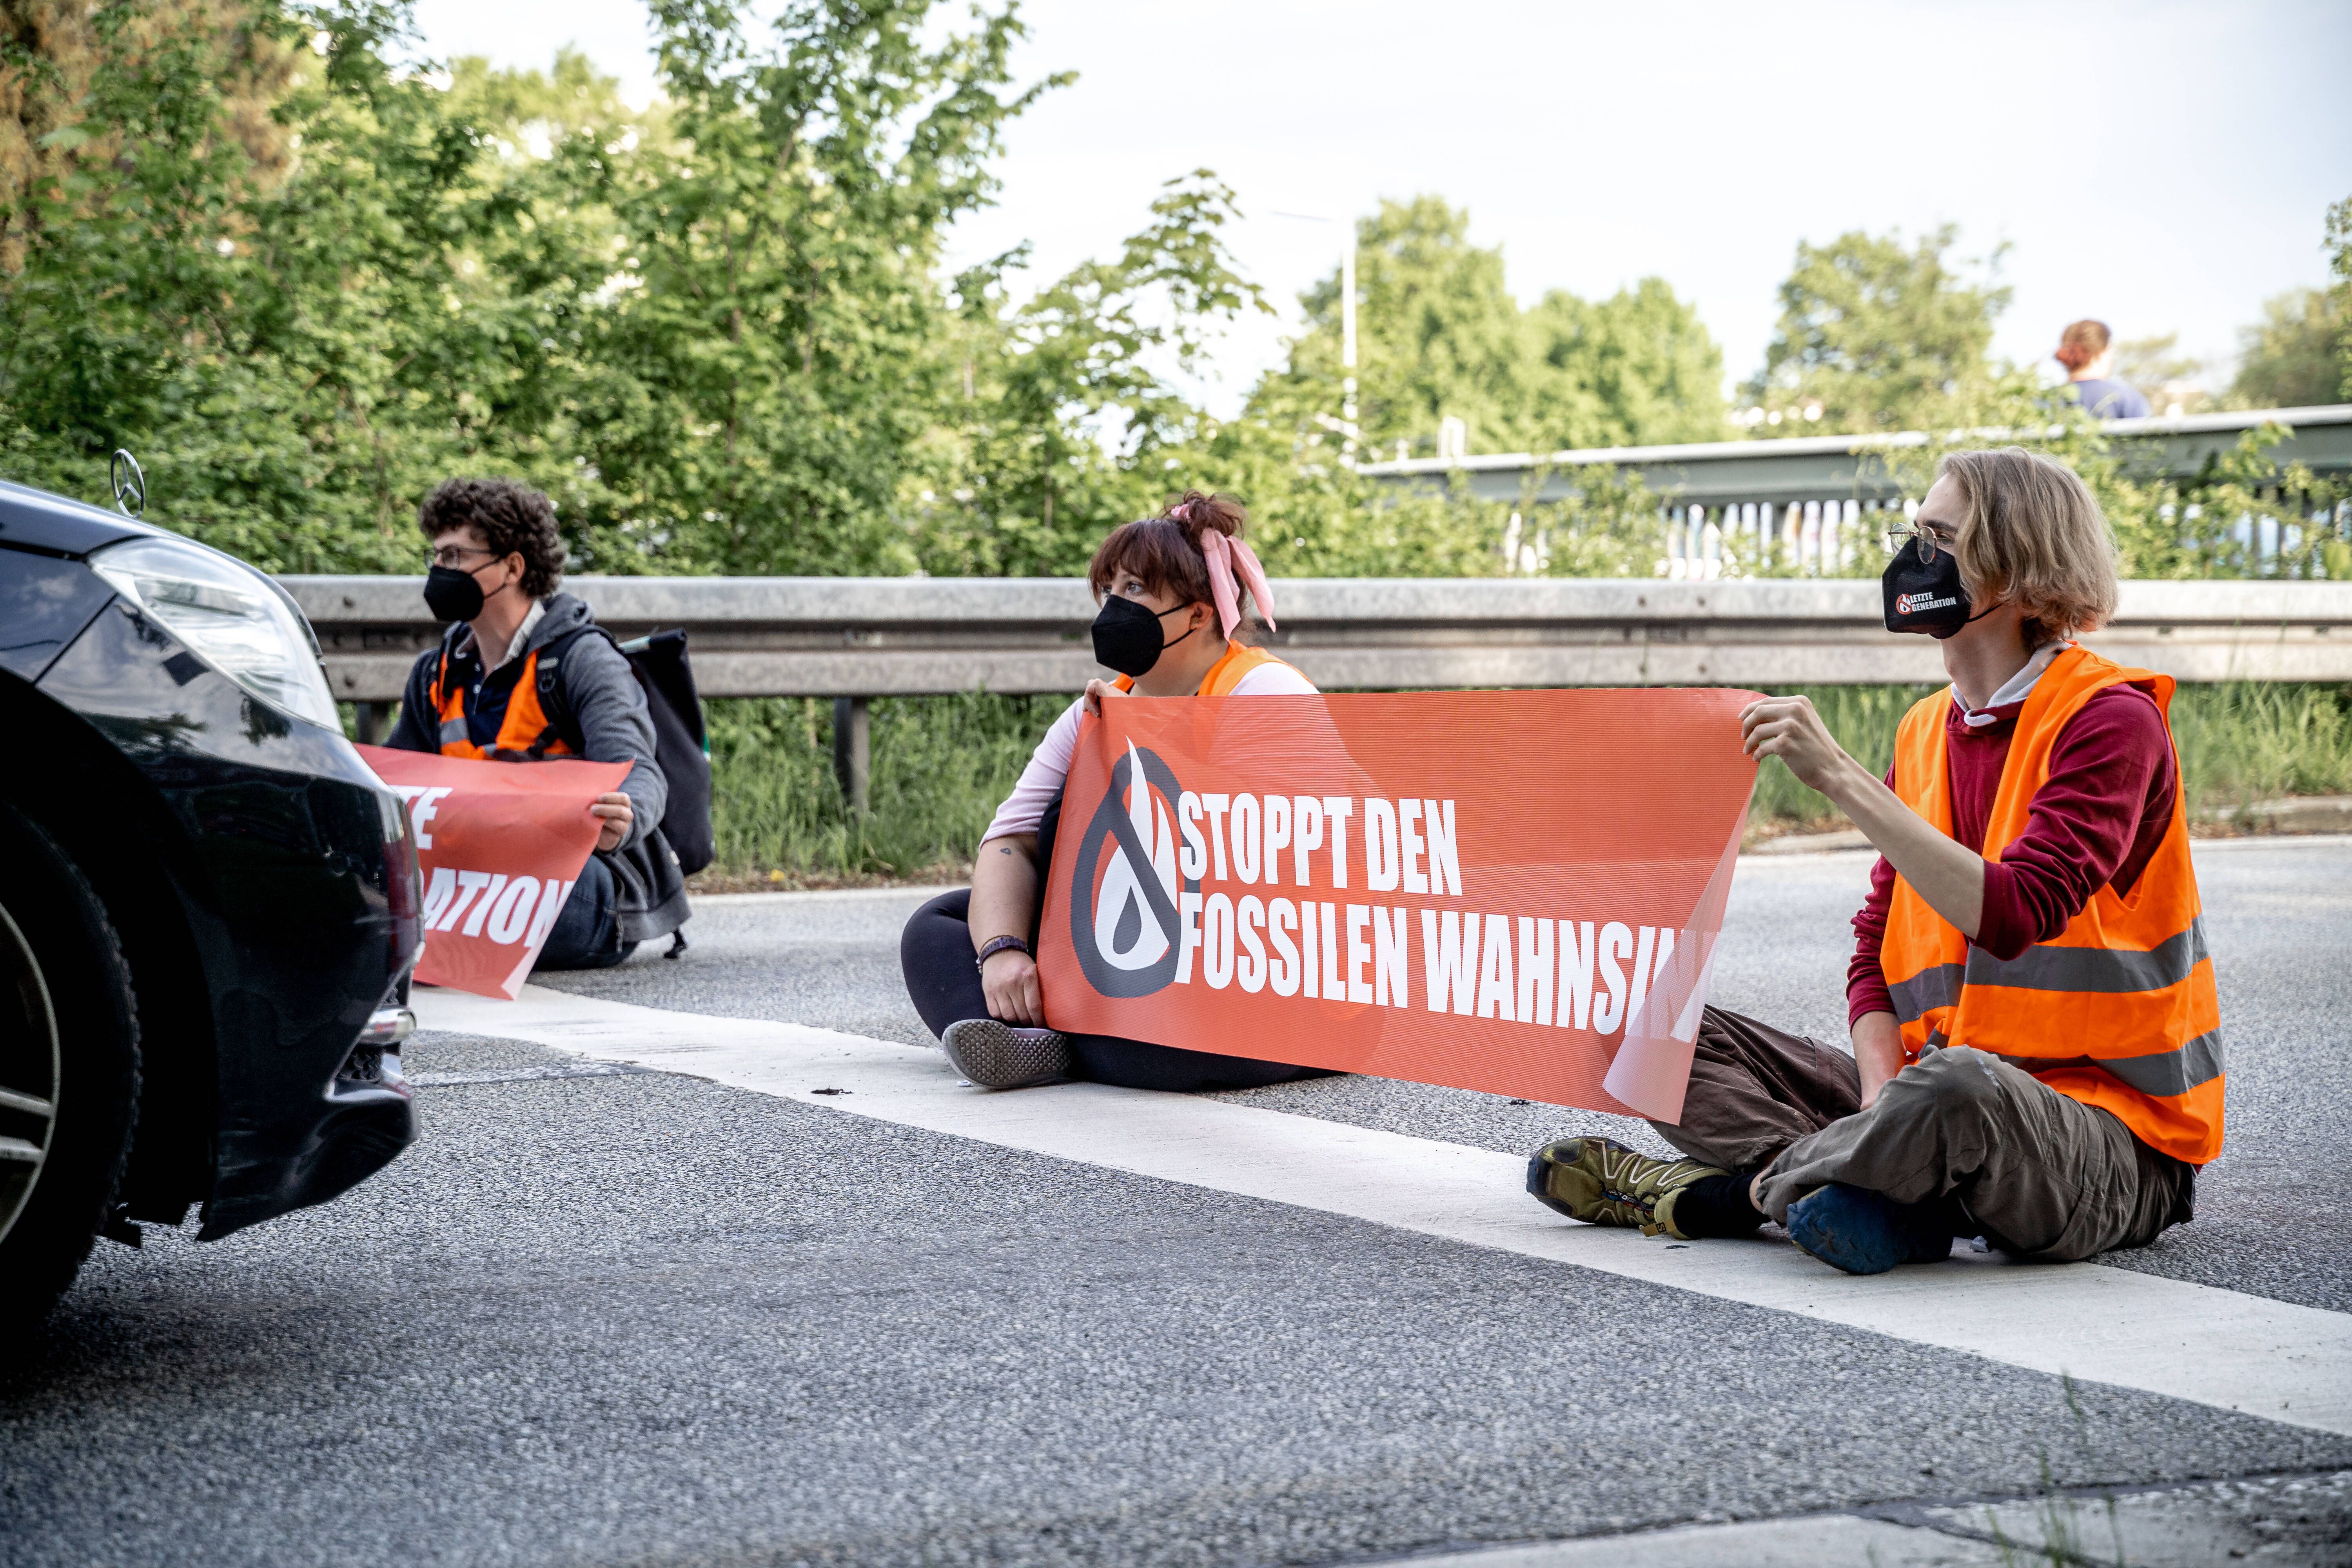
x=996, y=1055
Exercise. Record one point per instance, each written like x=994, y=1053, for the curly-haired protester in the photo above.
x=1172, y=590
x=2037, y=1048
x=520, y=675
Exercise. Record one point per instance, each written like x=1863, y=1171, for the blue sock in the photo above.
x=1864, y=1232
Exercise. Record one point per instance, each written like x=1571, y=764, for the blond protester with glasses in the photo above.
x=2036, y=1037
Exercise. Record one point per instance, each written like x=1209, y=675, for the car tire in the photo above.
x=69, y=1068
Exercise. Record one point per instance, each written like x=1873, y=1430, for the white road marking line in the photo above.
x=523, y=1075
x=1832, y=1540
x=2234, y=1352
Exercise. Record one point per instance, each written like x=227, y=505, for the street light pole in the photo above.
x=1347, y=423
x=1347, y=344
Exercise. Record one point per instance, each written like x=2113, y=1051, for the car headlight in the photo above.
x=230, y=615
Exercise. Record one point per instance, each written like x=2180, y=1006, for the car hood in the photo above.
x=52, y=525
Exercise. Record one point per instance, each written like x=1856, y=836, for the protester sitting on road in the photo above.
x=523, y=675
x=2037, y=1056
x=1170, y=622
x=2084, y=349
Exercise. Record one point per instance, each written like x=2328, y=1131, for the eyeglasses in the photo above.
x=450, y=554
x=1928, y=539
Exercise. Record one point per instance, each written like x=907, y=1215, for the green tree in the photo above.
x=2339, y=267
x=292, y=325
x=2292, y=358
x=2151, y=364
x=1877, y=335
x=773, y=358
x=1070, y=426
x=303, y=282
x=714, y=332
x=1440, y=336
x=1638, y=368
x=63, y=70
x=127, y=304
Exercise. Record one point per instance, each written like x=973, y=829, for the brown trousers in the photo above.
x=2031, y=1170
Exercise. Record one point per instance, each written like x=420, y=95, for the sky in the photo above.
x=2165, y=167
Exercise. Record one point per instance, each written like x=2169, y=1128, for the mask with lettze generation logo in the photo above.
x=1926, y=596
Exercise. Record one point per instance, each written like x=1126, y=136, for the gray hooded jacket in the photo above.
x=607, y=711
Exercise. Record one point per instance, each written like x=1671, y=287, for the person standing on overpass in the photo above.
x=2037, y=1048
x=2085, y=350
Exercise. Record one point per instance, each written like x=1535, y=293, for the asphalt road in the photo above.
x=644, y=1319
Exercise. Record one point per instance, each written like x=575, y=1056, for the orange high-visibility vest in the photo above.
x=2120, y=1011
x=1223, y=675
x=525, y=733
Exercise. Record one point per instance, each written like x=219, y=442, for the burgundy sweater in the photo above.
x=2098, y=819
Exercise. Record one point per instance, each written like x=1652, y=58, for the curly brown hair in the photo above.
x=512, y=519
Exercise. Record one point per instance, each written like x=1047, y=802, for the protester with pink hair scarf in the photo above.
x=1173, y=590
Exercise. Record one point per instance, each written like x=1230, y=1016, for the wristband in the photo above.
x=997, y=944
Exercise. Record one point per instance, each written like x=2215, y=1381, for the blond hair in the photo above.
x=2032, y=534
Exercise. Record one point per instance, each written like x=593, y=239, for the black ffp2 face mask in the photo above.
x=1128, y=637
x=1927, y=595
x=452, y=595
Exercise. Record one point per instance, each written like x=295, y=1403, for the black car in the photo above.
x=208, y=904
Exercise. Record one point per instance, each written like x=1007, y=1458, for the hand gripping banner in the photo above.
x=500, y=845
x=1515, y=892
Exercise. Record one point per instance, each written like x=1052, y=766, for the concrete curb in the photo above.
x=2296, y=816
x=2285, y=1519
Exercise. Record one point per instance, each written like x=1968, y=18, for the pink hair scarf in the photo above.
x=1224, y=556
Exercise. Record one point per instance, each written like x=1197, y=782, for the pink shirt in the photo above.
x=1049, y=764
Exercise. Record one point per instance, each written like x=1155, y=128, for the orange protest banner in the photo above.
x=1516, y=892
x=500, y=845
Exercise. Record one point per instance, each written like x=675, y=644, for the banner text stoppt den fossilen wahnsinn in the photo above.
x=1515, y=892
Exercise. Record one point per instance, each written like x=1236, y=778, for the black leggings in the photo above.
x=935, y=951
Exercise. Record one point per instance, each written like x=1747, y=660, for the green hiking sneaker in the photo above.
x=1602, y=1182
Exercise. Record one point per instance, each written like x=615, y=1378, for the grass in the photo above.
x=1863, y=719
x=943, y=763
x=2250, y=741
x=2057, y=1515
x=940, y=766
x=2240, y=742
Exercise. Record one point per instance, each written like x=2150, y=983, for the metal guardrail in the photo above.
x=878, y=636
x=852, y=639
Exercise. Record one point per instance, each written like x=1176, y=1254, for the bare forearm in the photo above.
x=1003, y=888
x=1947, y=874
x=1877, y=1052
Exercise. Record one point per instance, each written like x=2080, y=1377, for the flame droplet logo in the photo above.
x=1123, y=920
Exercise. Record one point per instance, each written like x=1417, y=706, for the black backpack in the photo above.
x=680, y=744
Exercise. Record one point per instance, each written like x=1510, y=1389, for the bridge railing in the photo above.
x=853, y=638
x=1815, y=504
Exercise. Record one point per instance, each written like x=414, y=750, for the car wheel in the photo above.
x=68, y=1069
